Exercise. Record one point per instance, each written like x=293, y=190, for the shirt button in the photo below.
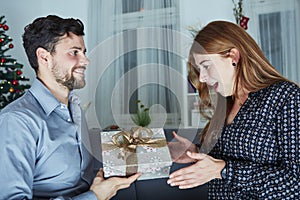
x=69, y=120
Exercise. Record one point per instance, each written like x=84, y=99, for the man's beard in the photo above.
x=68, y=80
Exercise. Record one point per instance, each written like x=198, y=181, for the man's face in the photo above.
x=70, y=61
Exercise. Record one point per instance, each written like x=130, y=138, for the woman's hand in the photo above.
x=105, y=189
x=178, y=149
x=205, y=169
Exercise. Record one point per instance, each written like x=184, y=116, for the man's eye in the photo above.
x=74, y=53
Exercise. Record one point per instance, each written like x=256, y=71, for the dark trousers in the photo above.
x=158, y=189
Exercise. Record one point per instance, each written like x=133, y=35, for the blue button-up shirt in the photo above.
x=44, y=148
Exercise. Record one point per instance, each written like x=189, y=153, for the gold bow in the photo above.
x=128, y=141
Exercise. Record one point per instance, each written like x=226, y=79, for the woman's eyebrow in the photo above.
x=203, y=62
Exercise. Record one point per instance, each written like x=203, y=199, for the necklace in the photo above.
x=241, y=100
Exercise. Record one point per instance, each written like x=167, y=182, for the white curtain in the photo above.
x=275, y=25
x=135, y=55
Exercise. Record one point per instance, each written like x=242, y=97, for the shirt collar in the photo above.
x=45, y=98
x=73, y=98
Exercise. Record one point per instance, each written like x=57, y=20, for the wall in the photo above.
x=20, y=13
x=200, y=12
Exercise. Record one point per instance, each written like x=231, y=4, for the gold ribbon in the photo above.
x=128, y=141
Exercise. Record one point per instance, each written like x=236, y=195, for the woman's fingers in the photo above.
x=181, y=172
x=186, y=183
x=196, y=156
x=186, y=178
x=178, y=137
x=190, y=176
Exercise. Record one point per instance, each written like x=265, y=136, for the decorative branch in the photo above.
x=238, y=10
x=194, y=29
x=238, y=14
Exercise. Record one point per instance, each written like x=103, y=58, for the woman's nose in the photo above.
x=203, y=76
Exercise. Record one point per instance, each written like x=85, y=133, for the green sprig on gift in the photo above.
x=142, y=116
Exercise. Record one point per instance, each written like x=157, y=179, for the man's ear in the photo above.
x=235, y=55
x=42, y=55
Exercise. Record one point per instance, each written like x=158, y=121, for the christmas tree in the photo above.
x=11, y=78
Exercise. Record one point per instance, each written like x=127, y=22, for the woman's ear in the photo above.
x=235, y=55
x=42, y=56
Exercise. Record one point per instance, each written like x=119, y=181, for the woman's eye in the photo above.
x=205, y=66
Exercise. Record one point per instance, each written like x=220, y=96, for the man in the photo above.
x=44, y=143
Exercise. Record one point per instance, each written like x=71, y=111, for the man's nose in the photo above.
x=84, y=61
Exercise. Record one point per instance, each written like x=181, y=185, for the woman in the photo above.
x=250, y=149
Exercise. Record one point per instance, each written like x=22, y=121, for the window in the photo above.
x=275, y=25
x=129, y=6
x=141, y=33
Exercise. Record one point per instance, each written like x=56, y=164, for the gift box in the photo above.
x=139, y=150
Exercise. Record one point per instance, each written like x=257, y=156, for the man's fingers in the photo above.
x=129, y=180
x=132, y=178
x=125, y=182
x=97, y=180
x=100, y=174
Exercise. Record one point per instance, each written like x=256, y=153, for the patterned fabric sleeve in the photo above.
x=271, y=181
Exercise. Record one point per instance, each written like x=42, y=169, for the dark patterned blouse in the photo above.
x=261, y=147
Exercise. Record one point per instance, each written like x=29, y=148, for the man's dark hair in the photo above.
x=45, y=32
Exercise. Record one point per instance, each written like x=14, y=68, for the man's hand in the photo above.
x=107, y=188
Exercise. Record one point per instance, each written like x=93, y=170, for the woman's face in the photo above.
x=216, y=71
